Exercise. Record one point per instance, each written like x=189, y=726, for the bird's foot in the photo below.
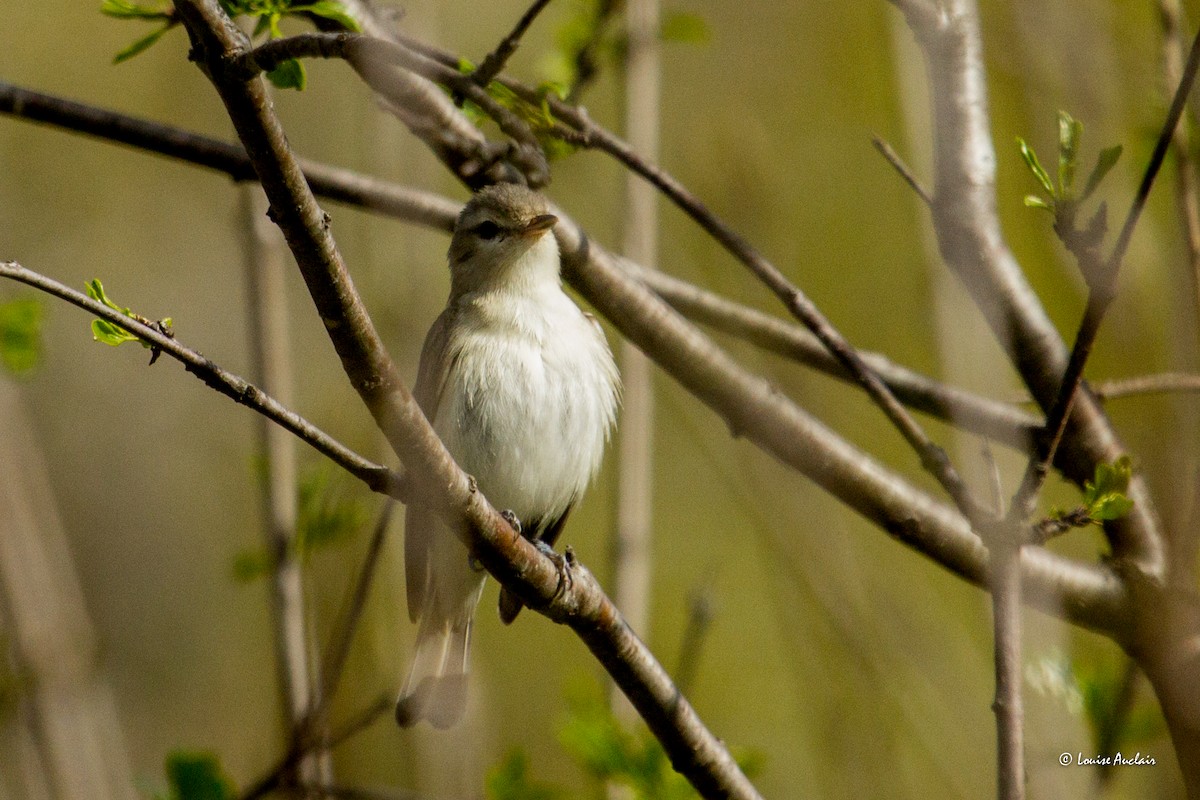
x=562, y=563
x=511, y=518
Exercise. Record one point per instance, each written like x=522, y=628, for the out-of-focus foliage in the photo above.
x=328, y=512
x=20, y=334
x=510, y=780
x=196, y=776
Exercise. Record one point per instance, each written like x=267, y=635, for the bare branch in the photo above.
x=1008, y=705
x=338, y=651
x=493, y=64
x=893, y=158
x=377, y=477
x=999, y=421
x=271, y=367
x=632, y=541
x=1162, y=383
x=1187, y=192
x=228, y=157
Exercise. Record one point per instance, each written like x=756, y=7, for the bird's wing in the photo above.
x=419, y=521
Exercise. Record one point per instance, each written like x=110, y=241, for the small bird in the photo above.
x=521, y=386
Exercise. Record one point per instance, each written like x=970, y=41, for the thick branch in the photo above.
x=971, y=242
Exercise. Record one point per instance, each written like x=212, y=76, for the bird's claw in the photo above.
x=562, y=563
x=511, y=518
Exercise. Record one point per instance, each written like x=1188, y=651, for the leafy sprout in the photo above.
x=1061, y=197
x=268, y=13
x=114, y=335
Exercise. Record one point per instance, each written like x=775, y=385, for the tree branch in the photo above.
x=493, y=64
x=377, y=477
x=972, y=244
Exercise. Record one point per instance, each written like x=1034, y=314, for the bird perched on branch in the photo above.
x=521, y=386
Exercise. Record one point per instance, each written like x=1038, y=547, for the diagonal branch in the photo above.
x=377, y=477
x=493, y=64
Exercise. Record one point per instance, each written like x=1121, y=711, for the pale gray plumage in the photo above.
x=521, y=386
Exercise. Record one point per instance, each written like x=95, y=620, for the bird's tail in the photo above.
x=436, y=687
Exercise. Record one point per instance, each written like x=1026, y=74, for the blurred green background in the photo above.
x=850, y=665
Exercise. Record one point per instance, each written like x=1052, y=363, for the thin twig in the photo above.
x=377, y=477
x=338, y=650
x=1101, y=292
x=1187, y=192
x=889, y=153
x=493, y=63
x=276, y=777
x=632, y=542
x=271, y=369
x=1161, y=383
x=701, y=612
x=585, y=61
x=366, y=53
x=230, y=158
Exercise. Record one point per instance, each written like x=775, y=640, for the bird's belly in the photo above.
x=526, y=420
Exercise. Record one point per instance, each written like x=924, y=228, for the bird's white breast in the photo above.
x=530, y=398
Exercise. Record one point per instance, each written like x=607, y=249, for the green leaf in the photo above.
x=331, y=10
x=1034, y=201
x=1069, y=132
x=197, y=776
x=326, y=512
x=1110, y=507
x=251, y=565
x=142, y=44
x=1035, y=166
x=1104, y=496
x=510, y=780
x=124, y=9
x=20, y=334
x=289, y=75
x=1104, y=163
x=685, y=27
x=103, y=330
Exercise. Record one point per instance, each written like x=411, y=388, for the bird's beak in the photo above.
x=539, y=224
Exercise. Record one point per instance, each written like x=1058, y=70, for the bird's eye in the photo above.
x=487, y=230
